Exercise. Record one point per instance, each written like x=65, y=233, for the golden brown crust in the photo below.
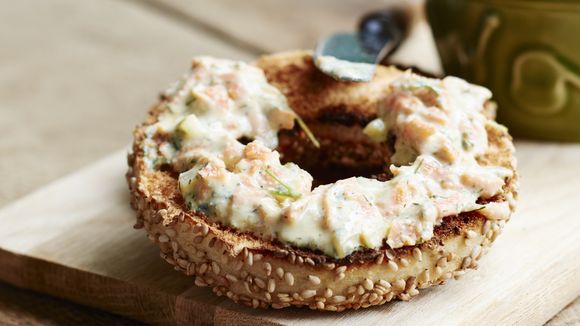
x=259, y=273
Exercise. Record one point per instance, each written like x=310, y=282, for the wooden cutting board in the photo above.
x=74, y=239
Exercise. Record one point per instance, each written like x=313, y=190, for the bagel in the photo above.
x=261, y=264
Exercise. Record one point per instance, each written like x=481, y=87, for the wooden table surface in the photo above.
x=76, y=76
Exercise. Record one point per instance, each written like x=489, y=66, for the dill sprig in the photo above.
x=418, y=167
x=465, y=142
x=307, y=131
x=288, y=192
x=478, y=209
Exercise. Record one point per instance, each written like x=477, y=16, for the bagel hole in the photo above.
x=331, y=174
x=245, y=140
x=345, y=151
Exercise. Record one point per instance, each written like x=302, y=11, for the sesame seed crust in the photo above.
x=262, y=274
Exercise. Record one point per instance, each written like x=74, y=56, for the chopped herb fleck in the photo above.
x=191, y=99
x=307, y=131
x=175, y=141
x=478, y=209
x=465, y=142
x=418, y=166
x=286, y=193
x=202, y=208
x=161, y=160
x=367, y=200
x=283, y=194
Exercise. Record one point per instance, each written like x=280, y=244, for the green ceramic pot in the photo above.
x=526, y=51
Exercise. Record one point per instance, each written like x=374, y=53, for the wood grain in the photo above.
x=76, y=76
x=567, y=317
x=67, y=67
x=19, y=307
x=79, y=245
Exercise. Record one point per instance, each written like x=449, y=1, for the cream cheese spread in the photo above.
x=347, y=70
x=439, y=130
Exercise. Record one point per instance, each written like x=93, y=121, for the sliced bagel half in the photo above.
x=260, y=273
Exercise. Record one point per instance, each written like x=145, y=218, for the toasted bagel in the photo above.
x=260, y=273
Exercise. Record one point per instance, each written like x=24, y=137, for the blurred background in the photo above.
x=77, y=76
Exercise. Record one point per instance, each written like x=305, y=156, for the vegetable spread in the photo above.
x=346, y=70
x=219, y=131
